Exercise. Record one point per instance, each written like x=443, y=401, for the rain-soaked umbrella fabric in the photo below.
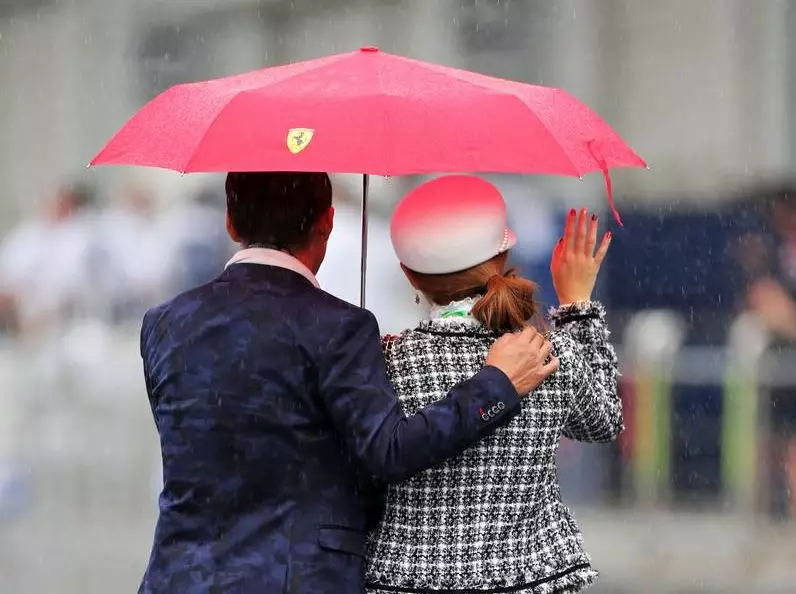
x=368, y=112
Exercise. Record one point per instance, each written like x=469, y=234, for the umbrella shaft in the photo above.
x=364, y=250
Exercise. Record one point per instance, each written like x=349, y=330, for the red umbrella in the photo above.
x=368, y=112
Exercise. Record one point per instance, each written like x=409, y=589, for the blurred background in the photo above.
x=698, y=495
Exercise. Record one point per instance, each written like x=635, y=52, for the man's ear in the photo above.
x=326, y=223
x=233, y=235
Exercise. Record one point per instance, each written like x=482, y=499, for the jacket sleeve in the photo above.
x=596, y=413
x=364, y=409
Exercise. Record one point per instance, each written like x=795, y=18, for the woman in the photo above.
x=491, y=519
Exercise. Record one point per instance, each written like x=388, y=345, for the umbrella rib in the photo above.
x=453, y=72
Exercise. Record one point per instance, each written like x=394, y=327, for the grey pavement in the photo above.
x=93, y=537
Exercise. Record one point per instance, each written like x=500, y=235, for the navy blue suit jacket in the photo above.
x=271, y=401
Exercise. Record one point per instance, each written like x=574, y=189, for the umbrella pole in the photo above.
x=364, y=249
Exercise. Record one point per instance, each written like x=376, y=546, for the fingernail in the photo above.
x=572, y=212
x=610, y=235
x=594, y=217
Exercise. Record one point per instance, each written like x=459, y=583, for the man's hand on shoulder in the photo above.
x=525, y=358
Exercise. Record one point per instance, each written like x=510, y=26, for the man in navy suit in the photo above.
x=271, y=401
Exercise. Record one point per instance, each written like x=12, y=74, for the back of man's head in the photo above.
x=277, y=209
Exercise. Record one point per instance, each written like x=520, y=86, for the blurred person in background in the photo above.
x=492, y=518
x=130, y=257
x=45, y=282
x=271, y=400
x=198, y=245
x=45, y=263
x=389, y=296
x=768, y=258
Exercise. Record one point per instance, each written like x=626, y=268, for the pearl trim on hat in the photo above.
x=504, y=245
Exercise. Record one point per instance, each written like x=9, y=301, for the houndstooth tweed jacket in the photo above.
x=492, y=519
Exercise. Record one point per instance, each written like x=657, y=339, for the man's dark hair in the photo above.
x=277, y=209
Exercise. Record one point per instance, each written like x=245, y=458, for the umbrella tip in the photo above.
x=580, y=178
x=369, y=49
x=647, y=167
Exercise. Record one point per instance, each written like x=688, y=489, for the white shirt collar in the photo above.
x=270, y=257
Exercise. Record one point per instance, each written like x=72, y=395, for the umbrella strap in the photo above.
x=607, y=179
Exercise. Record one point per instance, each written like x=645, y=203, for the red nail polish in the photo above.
x=594, y=217
x=572, y=212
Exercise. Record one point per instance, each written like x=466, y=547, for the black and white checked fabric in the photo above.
x=492, y=519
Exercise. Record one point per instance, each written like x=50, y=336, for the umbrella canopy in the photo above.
x=368, y=112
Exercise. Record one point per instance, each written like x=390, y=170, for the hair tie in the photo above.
x=501, y=277
x=496, y=279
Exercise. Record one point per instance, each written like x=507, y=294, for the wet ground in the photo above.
x=82, y=537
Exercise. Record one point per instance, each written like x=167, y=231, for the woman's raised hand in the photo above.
x=575, y=264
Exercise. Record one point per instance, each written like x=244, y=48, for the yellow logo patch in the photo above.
x=298, y=139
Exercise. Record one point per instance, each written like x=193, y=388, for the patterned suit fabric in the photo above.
x=272, y=402
x=491, y=519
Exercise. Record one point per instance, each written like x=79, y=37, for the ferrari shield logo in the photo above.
x=298, y=139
